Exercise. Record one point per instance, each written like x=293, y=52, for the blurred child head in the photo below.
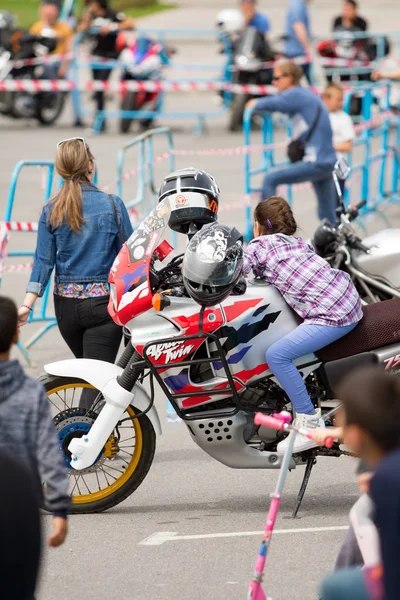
x=8, y=326
x=371, y=413
x=274, y=216
x=333, y=97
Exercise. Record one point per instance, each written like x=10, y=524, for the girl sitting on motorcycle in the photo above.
x=323, y=297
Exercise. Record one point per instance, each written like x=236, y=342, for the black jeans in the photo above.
x=100, y=75
x=89, y=332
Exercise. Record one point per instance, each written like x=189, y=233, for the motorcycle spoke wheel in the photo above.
x=123, y=462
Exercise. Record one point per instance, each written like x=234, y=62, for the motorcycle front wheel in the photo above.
x=50, y=106
x=124, y=460
x=237, y=110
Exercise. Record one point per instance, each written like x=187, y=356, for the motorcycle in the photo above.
x=250, y=50
x=143, y=60
x=355, y=49
x=372, y=262
x=209, y=363
x=18, y=44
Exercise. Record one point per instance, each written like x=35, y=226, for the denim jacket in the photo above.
x=84, y=256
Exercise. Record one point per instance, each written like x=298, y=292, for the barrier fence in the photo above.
x=385, y=129
x=378, y=139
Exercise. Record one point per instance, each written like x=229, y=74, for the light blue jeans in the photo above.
x=319, y=175
x=347, y=584
x=305, y=339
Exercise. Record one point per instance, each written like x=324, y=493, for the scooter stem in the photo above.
x=86, y=449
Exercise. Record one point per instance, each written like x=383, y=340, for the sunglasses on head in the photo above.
x=80, y=139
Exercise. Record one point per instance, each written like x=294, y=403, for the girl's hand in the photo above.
x=23, y=314
x=321, y=434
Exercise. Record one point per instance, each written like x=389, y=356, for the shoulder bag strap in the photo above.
x=313, y=126
x=121, y=237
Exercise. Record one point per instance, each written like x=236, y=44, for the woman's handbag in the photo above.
x=296, y=148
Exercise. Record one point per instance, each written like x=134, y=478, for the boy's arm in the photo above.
x=50, y=463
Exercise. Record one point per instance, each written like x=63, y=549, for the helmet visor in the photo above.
x=208, y=261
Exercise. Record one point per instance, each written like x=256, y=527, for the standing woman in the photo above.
x=80, y=233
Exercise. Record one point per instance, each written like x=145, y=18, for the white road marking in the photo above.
x=161, y=537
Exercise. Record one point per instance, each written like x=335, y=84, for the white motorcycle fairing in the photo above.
x=384, y=256
x=103, y=376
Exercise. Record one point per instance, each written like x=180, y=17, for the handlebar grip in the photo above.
x=328, y=443
x=361, y=204
x=268, y=421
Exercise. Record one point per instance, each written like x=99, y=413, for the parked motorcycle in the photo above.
x=144, y=59
x=208, y=361
x=250, y=50
x=372, y=262
x=18, y=44
x=356, y=49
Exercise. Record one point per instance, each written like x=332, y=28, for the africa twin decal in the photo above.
x=170, y=351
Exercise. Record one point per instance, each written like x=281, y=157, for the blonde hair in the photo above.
x=288, y=67
x=332, y=87
x=73, y=165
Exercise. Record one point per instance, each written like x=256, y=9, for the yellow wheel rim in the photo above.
x=131, y=465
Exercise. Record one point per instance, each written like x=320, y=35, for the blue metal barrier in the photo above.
x=42, y=316
x=146, y=187
x=376, y=195
x=80, y=111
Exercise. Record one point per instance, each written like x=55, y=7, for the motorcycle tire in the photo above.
x=128, y=103
x=238, y=106
x=50, y=117
x=114, y=457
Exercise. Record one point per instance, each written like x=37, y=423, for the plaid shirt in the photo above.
x=317, y=292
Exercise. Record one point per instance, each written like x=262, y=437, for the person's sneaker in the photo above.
x=301, y=443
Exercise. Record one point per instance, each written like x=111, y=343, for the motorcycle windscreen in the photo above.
x=130, y=275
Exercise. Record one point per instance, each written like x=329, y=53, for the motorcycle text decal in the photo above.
x=392, y=363
x=180, y=201
x=170, y=351
x=152, y=244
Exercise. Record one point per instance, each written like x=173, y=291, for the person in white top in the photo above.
x=342, y=126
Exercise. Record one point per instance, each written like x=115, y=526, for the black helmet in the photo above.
x=193, y=197
x=213, y=263
x=324, y=237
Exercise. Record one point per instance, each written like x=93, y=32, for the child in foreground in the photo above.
x=323, y=297
x=27, y=430
x=371, y=429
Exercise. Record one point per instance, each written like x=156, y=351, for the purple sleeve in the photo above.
x=249, y=259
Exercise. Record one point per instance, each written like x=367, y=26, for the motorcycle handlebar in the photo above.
x=353, y=211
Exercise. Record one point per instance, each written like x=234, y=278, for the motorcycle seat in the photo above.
x=379, y=327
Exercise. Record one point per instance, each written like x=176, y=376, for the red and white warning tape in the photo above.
x=19, y=225
x=43, y=60
x=15, y=268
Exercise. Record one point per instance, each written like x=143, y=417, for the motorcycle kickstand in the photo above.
x=311, y=461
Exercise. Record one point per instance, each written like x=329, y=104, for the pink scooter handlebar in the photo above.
x=281, y=421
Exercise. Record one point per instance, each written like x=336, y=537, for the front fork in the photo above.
x=118, y=396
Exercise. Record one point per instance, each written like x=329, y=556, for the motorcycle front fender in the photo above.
x=99, y=374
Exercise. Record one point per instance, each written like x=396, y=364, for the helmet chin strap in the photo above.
x=193, y=229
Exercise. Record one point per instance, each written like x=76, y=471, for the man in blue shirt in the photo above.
x=310, y=125
x=298, y=32
x=253, y=18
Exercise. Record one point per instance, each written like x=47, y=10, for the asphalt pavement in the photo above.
x=192, y=529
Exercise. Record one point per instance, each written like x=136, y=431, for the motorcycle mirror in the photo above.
x=342, y=168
